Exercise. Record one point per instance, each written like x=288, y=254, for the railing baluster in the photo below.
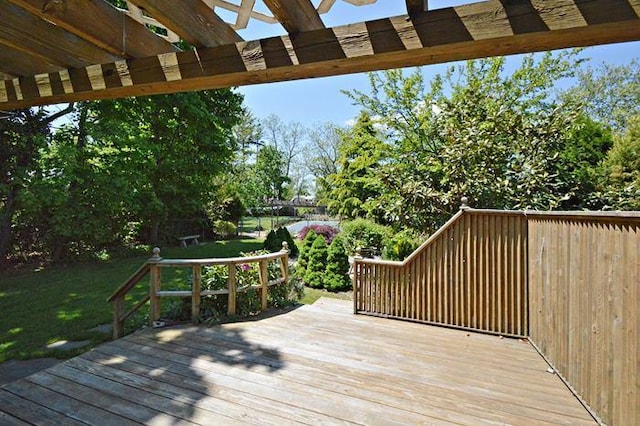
x=231, y=287
x=195, y=292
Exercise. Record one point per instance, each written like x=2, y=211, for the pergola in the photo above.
x=54, y=51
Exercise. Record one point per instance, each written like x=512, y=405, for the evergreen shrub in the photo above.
x=303, y=259
x=317, y=264
x=337, y=272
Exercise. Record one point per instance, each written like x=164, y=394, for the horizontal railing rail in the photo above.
x=153, y=267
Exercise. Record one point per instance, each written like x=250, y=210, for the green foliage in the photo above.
x=224, y=228
x=503, y=140
x=337, y=273
x=314, y=275
x=270, y=172
x=284, y=235
x=364, y=233
x=400, y=245
x=275, y=238
x=609, y=94
x=271, y=243
x=622, y=169
x=303, y=259
x=356, y=184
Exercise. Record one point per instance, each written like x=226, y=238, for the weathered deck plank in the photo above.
x=316, y=364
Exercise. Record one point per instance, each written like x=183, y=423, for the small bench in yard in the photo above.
x=186, y=239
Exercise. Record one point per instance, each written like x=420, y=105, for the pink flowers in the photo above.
x=245, y=267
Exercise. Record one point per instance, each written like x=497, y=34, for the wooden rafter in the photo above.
x=490, y=28
x=26, y=32
x=415, y=7
x=108, y=28
x=192, y=20
x=18, y=63
x=296, y=16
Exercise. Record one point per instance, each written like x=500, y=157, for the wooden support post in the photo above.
x=118, y=313
x=284, y=263
x=355, y=279
x=264, y=281
x=231, y=286
x=196, y=287
x=154, y=286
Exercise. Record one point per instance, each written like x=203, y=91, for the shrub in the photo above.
x=400, y=245
x=271, y=243
x=365, y=234
x=337, y=272
x=283, y=234
x=224, y=228
x=303, y=259
x=327, y=231
x=274, y=240
x=317, y=263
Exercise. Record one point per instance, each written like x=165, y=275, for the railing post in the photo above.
x=355, y=279
x=231, y=286
x=154, y=286
x=264, y=281
x=118, y=313
x=196, y=287
x=284, y=262
x=464, y=203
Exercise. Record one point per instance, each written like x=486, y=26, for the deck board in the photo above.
x=318, y=364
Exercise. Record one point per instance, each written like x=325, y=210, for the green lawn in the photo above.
x=250, y=224
x=63, y=303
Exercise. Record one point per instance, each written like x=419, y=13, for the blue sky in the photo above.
x=319, y=100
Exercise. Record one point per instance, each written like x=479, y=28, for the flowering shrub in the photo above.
x=327, y=231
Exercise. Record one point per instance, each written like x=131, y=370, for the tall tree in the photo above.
x=356, y=186
x=23, y=136
x=324, y=144
x=180, y=143
x=609, y=94
x=287, y=138
x=270, y=172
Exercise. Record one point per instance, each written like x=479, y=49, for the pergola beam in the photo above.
x=192, y=20
x=108, y=28
x=23, y=31
x=18, y=63
x=471, y=31
x=296, y=16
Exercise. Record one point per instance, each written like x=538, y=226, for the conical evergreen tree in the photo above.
x=337, y=272
x=317, y=266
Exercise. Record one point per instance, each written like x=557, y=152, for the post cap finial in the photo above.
x=156, y=253
x=465, y=203
x=358, y=251
x=285, y=246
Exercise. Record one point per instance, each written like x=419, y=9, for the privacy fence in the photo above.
x=568, y=281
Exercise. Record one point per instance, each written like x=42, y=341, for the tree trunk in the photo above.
x=5, y=222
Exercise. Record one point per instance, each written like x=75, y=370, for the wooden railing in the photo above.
x=153, y=267
x=471, y=273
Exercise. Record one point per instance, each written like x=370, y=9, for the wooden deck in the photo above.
x=318, y=364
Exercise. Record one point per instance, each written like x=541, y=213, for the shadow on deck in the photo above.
x=316, y=364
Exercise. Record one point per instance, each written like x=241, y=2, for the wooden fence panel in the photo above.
x=584, y=283
x=469, y=274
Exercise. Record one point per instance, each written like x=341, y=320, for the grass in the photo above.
x=64, y=302
x=313, y=294
x=250, y=224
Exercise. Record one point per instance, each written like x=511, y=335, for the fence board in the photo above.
x=583, y=294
